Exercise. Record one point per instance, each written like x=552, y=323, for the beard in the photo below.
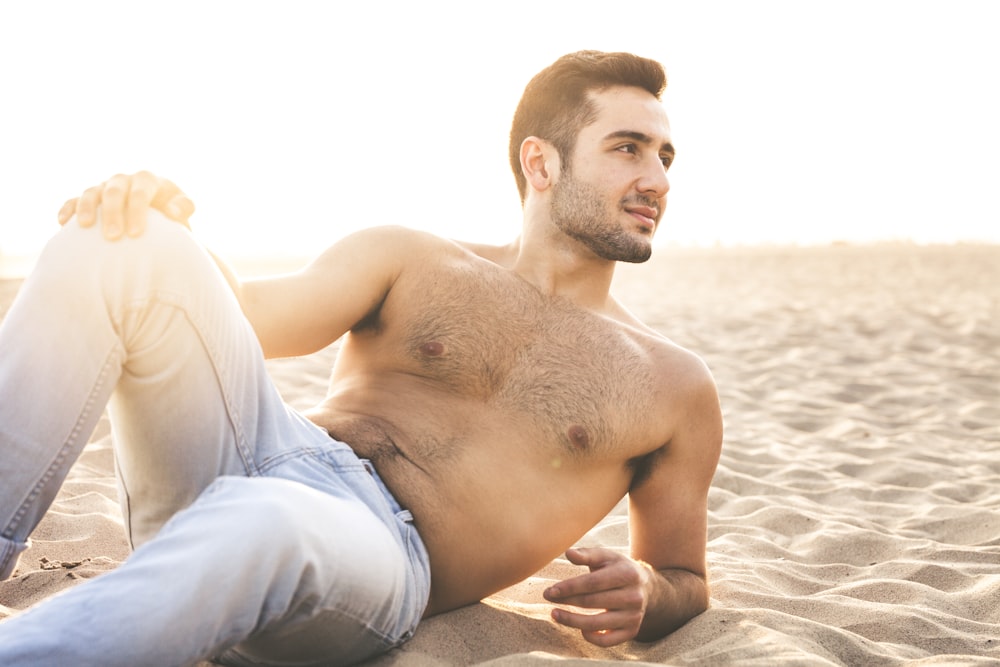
x=579, y=211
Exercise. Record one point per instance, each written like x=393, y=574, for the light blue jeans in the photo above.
x=259, y=539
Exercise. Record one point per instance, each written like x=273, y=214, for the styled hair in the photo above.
x=556, y=104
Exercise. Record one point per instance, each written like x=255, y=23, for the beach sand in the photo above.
x=855, y=515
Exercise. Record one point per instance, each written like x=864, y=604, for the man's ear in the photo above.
x=539, y=163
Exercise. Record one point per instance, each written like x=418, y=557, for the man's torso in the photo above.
x=507, y=421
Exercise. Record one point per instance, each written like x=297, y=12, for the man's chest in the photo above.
x=574, y=375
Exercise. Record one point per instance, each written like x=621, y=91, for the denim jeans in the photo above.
x=259, y=539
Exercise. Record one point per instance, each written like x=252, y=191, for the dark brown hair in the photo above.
x=555, y=105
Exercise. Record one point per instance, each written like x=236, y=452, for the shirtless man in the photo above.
x=499, y=394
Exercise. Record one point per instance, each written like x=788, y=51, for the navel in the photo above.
x=579, y=437
x=432, y=349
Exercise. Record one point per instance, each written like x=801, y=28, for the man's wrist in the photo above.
x=676, y=596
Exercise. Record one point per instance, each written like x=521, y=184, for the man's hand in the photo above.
x=616, y=584
x=125, y=201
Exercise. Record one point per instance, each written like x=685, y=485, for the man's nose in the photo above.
x=654, y=179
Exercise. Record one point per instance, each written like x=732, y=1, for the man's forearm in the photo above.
x=678, y=596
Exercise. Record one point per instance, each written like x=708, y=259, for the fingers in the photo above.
x=592, y=557
x=615, y=584
x=67, y=211
x=143, y=187
x=86, y=205
x=172, y=202
x=180, y=209
x=626, y=597
x=113, y=200
x=604, y=629
x=608, y=570
x=125, y=202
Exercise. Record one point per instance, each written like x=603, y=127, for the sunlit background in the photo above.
x=292, y=123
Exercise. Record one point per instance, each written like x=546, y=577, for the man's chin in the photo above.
x=639, y=251
x=637, y=259
x=634, y=254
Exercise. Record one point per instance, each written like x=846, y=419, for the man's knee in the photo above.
x=82, y=269
x=164, y=247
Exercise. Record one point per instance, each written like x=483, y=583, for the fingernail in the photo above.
x=114, y=230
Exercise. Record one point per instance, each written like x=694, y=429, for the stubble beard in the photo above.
x=579, y=211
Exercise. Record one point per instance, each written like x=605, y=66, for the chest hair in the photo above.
x=578, y=377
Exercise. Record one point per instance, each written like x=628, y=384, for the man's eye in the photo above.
x=628, y=148
x=667, y=160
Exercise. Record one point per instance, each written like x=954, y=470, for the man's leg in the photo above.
x=153, y=317
x=193, y=402
x=313, y=578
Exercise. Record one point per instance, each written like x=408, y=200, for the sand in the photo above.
x=855, y=515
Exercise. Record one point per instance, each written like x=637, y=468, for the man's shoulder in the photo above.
x=666, y=355
x=688, y=402
x=680, y=372
x=405, y=245
x=398, y=236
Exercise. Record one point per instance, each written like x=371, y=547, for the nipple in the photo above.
x=579, y=437
x=432, y=349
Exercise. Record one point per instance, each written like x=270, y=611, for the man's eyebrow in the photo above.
x=642, y=138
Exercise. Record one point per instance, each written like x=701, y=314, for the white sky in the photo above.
x=292, y=123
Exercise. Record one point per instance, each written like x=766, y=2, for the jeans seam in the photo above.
x=272, y=462
x=245, y=452
x=178, y=302
x=60, y=456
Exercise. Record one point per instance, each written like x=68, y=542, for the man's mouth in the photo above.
x=645, y=214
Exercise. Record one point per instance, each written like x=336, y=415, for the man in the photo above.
x=488, y=406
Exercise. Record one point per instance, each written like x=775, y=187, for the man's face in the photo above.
x=611, y=194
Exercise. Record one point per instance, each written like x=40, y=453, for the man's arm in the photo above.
x=668, y=514
x=293, y=314
x=302, y=312
x=665, y=582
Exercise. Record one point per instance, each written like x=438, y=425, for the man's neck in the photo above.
x=562, y=266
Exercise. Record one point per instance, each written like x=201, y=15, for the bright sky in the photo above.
x=292, y=123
